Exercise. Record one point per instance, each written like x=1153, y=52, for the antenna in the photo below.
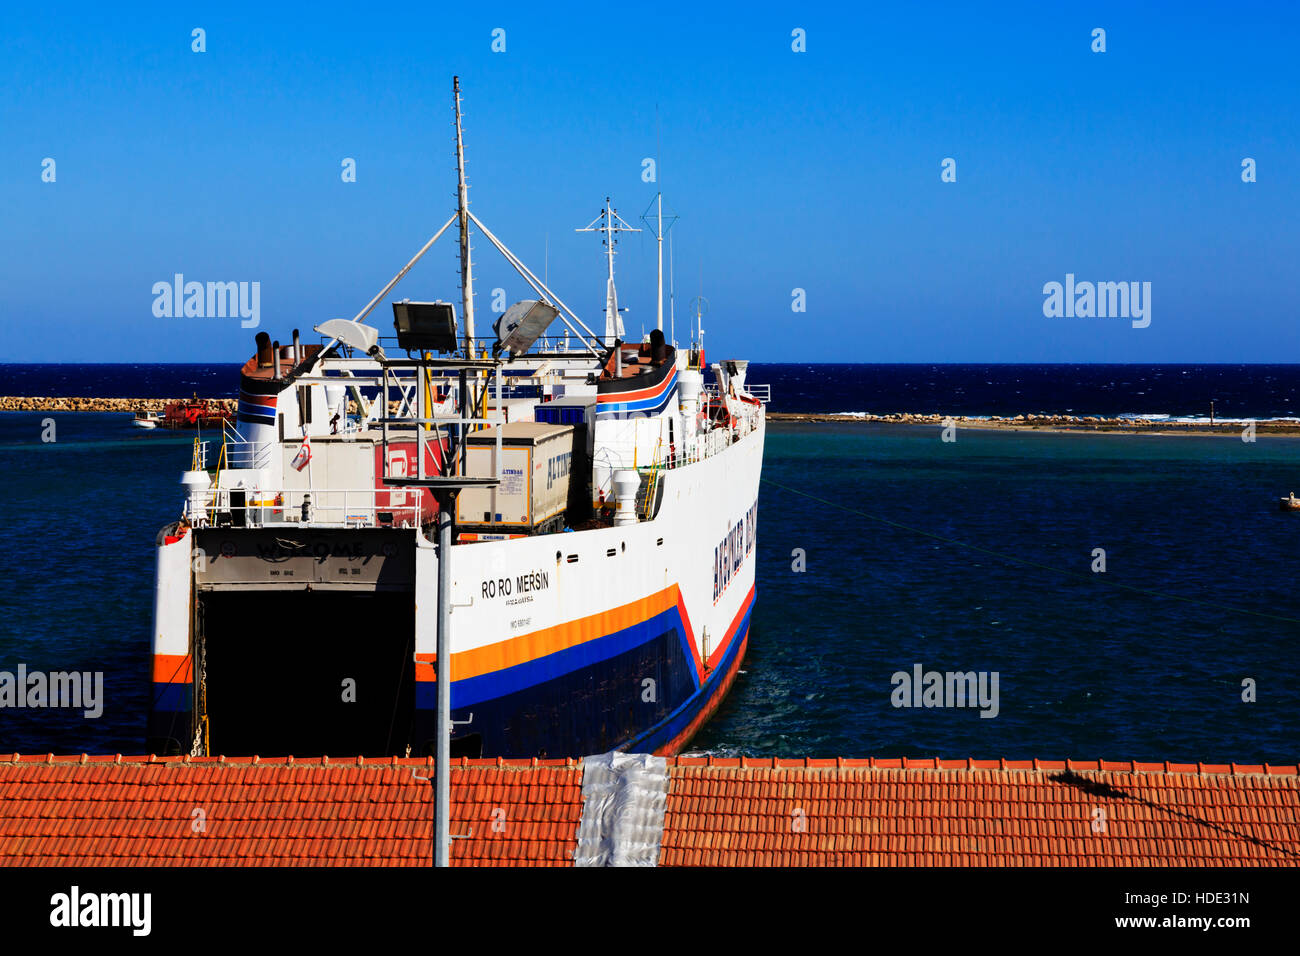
x=656, y=226
x=610, y=223
x=672, y=315
x=700, y=306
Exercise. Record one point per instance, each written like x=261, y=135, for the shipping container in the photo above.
x=570, y=410
x=536, y=459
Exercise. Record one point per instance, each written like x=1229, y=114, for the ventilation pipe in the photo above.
x=297, y=350
x=196, y=485
x=626, y=484
x=689, y=385
x=275, y=350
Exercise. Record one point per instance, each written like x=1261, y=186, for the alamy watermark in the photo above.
x=922, y=688
x=36, y=689
x=211, y=300
x=128, y=910
x=1084, y=300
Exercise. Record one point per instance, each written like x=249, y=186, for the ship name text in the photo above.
x=523, y=583
x=732, y=550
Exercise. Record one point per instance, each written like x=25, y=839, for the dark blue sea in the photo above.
x=1238, y=391
x=972, y=555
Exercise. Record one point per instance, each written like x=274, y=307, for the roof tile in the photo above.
x=738, y=811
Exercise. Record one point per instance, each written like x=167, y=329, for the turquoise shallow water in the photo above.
x=1086, y=668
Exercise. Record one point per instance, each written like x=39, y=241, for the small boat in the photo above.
x=1289, y=503
x=196, y=413
x=146, y=420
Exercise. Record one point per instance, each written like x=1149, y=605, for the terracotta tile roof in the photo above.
x=979, y=813
x=132, y=810
x=99, y=811
x=512, y=812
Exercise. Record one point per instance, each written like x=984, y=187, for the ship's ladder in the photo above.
x=222, y=461
x=652, y=482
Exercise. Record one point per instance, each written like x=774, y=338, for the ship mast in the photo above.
x=610, y=223
x=657, y=225
x=613, y=324
x=659, y=241
x=466, y=268
x=659, y=230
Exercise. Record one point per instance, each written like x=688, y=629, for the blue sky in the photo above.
x=817, y=170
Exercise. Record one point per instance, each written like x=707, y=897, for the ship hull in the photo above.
x=624, y=637
x=668, y=606
x=586, y=709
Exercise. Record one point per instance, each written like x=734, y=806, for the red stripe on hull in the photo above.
x=675, y=745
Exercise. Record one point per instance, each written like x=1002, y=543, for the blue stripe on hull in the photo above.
x=172, y=697
x=590, y=709
x=169, y=721
x=593, y=708
x=587, y=655
x=641, y=407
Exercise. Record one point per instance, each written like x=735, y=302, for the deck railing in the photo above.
x=231, y=452
x=325, y=508
x=761, y=392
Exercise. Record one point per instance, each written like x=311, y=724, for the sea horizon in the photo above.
x=1158, y=391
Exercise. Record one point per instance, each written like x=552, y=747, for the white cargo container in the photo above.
x=536, y=458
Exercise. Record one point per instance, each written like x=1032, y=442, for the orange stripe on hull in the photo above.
x=172, y=669
x=637, y=395
x=530, y=647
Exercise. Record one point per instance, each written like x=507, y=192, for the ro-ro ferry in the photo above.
x=600, y=568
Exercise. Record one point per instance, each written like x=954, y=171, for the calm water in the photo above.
x=1086, y=668
x=1237, y=391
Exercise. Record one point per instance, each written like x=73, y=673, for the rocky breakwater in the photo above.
x=47, y=403
x=1057, y=423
